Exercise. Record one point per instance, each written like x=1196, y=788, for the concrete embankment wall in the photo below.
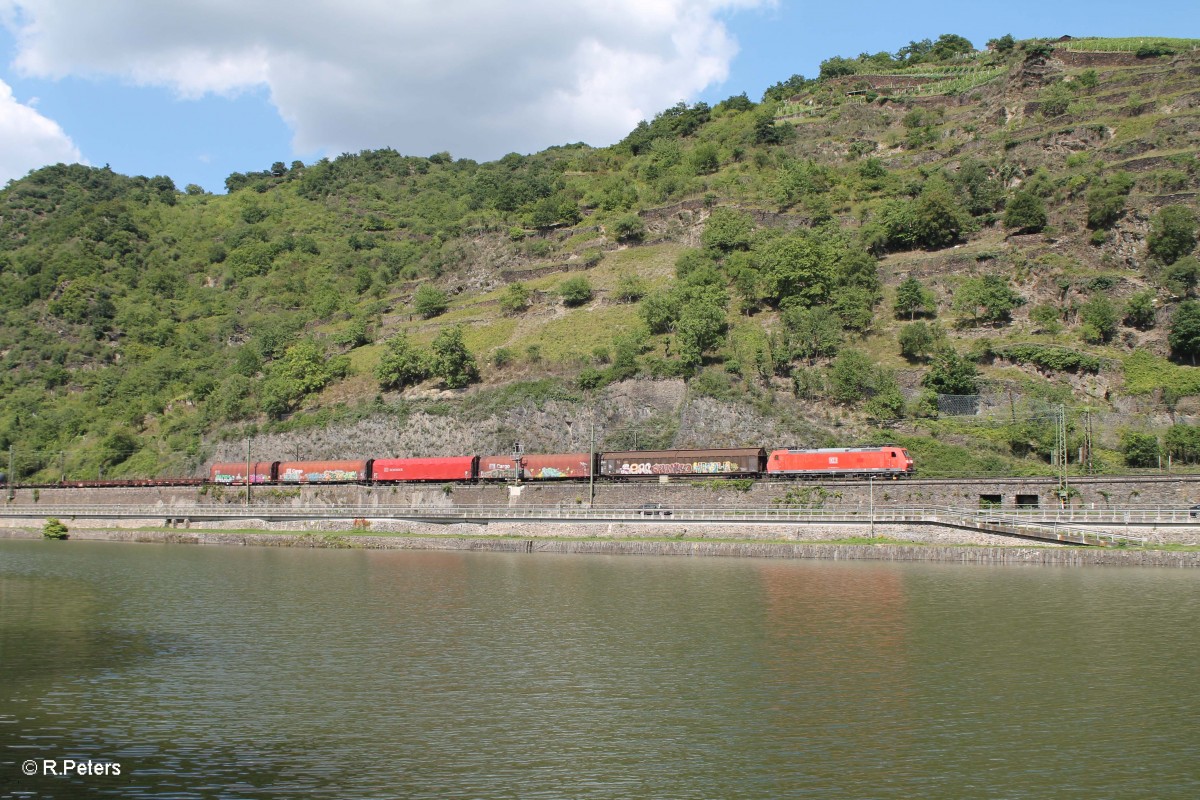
x=1046, y=556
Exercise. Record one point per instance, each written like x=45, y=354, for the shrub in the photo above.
x=1184, y=336
x=54, y=529
x=1061, y=359
x=1026, y=212
x=430, y=301
x=515, y=299
x=575, y=291
x=1099, y=318
x=1140, y=449
x=629, y=228
x=630, y=288
x=1139, y=310
x=1172, y=234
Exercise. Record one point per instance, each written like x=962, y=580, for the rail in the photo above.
x=1077, y=526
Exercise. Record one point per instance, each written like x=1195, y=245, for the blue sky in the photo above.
x=197, y=89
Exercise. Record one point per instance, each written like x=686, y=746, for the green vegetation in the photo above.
x=785, y=256
x=55, y=529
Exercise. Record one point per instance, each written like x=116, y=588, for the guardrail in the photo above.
x=1062, y=525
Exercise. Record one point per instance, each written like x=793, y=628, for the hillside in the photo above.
x=1016, y=224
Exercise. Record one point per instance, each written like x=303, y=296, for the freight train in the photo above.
x=748, y=462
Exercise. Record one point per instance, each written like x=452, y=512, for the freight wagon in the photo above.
x=546, y=467
x=323, y=471
x=850, y=462
x=455, y=468
x=235, y=473
x=729, y=462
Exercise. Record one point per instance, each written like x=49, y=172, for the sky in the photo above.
x=198, y=89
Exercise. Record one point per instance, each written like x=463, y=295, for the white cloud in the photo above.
x=29, y=140
x=477, y=77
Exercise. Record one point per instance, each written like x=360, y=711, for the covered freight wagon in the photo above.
x=323, y=471
x=545, y=467
x=454, y=468
x=730, y=462
x=878, y=460
x=235, y=472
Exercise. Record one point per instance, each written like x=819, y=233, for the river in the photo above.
x=255, y=672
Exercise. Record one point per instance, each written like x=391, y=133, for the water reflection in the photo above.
x=259, y=672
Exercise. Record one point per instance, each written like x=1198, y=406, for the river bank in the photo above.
x=549, y=543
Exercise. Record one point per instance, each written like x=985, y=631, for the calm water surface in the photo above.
x=279, y=673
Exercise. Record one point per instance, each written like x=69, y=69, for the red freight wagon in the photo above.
x=457, y=468
x=551, y=466
x=235, y=473
x=731, y=462
x=885, y=460
x=323, y=471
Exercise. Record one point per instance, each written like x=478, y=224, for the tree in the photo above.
x=629, y=228
x=797, y=268
x=727, y=230
x=430, y=301
x=705, y=159
x=936, y=220
x=1026, y=212
x=949, y=45
x=1183, y=443
x=989, y=298
x=1003, y=44
x=851, y=376
x=700, y=326
x=1172, y=234
x=659, y=311
x=912, y=298
x=810, y=333
x=919, y=340
x=575, y=291
x=1140, y=449
x=855, y=307
x=401, y=364
x=1184, y=335
x=836, y=67
x=450, y=359
x=950, y=373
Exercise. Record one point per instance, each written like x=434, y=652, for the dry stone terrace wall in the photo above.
x=1175, y=492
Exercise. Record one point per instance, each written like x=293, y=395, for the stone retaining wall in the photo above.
x=838, y=552
x=1167, y=490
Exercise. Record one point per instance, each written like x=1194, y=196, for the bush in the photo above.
x=1172, y=234
x=1139, y=310
x=1044, y=356
x=1140, y=449
x=630, y=288
x=429, y=301
x=54, y=529
x=1099, y=318
x=1026, y=212
x=575, y=291
x=515, y=299
x=629, y=228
